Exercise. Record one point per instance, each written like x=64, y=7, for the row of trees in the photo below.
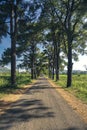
x=57, y=24
x=66, y=20
x=18, y=19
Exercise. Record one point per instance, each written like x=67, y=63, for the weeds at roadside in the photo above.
x=5, y=85
x=79, y=85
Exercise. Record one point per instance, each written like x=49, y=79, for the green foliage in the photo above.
x=3, y=26
x=6, y=56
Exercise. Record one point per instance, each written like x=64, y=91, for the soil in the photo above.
x=8, y=99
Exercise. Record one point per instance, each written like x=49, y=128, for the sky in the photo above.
x=5, y=43
x=80, y=64
x=76, y=65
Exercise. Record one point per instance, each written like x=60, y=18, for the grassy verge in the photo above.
x=78, y=88
x=5, y=87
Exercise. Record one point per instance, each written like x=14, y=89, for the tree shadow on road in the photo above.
x=24, y=110
x=74, y=128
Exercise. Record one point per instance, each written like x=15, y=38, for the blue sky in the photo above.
x=76, y=66
x=5, y=43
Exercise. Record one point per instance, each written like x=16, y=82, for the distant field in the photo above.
x=5, y=87
x=79, y=85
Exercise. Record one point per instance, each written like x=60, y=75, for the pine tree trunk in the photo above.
x=32, y=67
x=53, y=72
x=56, y=52
x=13, y=63
x=57, y=59
x=49, y=69
x=53, y=67
x=32, y=74
x=35, y=75
x=13, y=47
x=69, y=68
x=57, y=68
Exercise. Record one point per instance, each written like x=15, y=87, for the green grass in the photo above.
x=23, y=79
x=79, y=85
x=5, y=85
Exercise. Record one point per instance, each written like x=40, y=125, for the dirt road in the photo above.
x=41, y=108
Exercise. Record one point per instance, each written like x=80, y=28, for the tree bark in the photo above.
x=13, y=45
x=32, y=66
x=53, y=72
x=53, y=62
x=13, y=63
x=57, y=67
x=32, y=74
x=49, y=69
x=57, y=57
x=33, y=60
x=69, y=68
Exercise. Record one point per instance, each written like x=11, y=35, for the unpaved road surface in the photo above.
x=41, y=108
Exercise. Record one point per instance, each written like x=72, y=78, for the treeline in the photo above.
x=59, y=26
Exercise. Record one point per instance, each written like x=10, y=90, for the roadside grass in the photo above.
x=23, y=79
x=5, y=87
x=79, y=85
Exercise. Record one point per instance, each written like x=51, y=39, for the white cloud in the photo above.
x=80, y=64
